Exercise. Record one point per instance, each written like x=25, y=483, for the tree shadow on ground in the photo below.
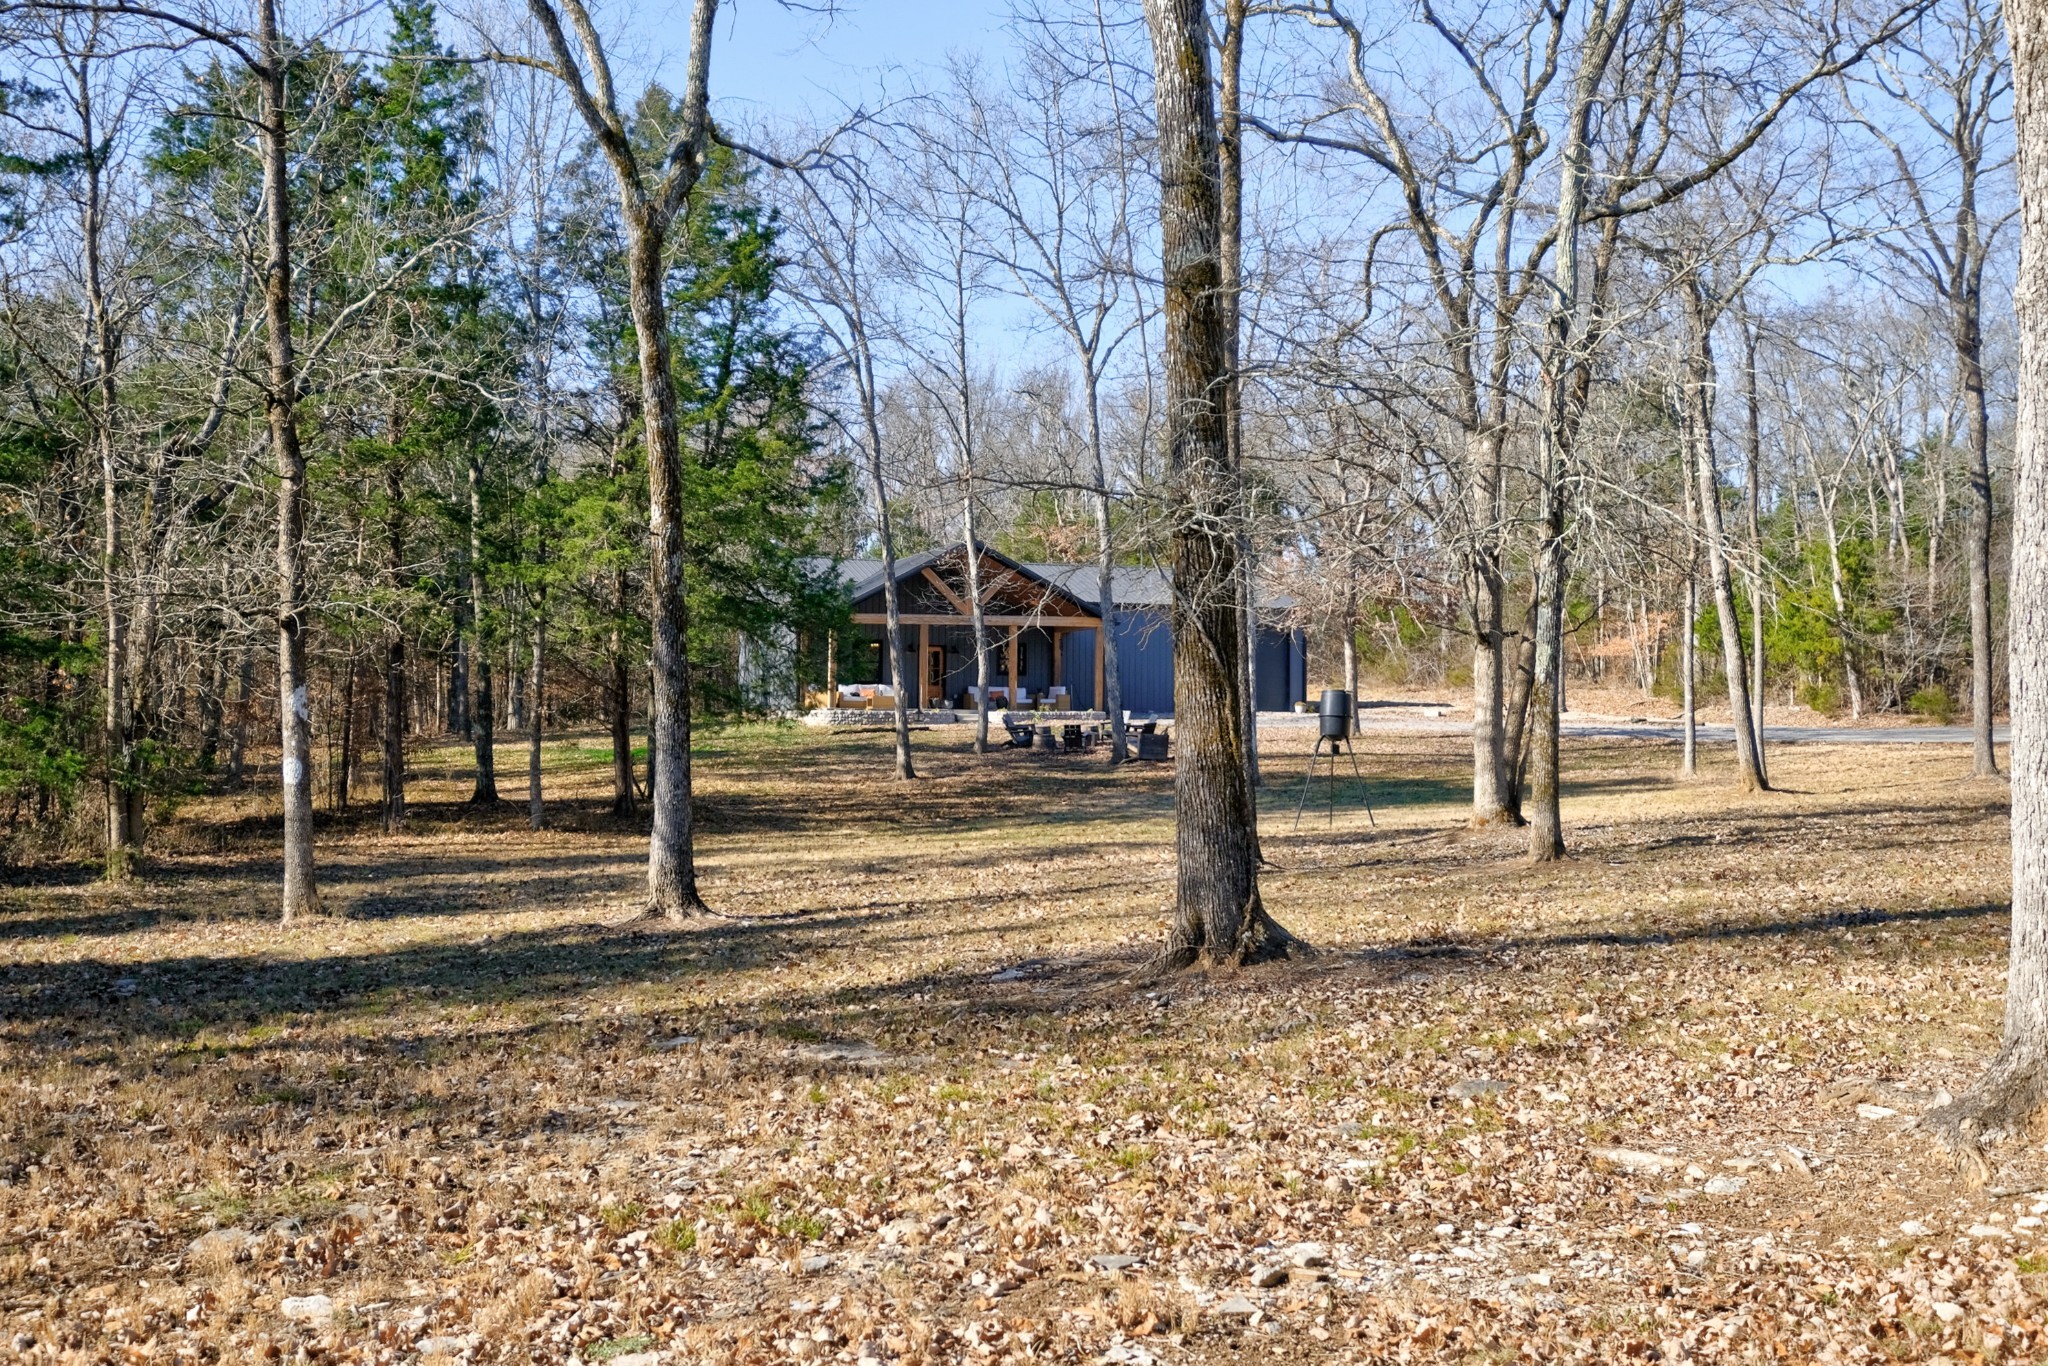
x=101, y=1003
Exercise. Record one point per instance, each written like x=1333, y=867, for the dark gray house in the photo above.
x=1043, y=621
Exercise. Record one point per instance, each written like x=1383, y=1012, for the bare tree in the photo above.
x=2013, y=1091
x=1565, y=376
x=839, y=216
x=1218, y=916
x=1949, y=78
x=1059, y=175
x=947, y=266
x=654, y=192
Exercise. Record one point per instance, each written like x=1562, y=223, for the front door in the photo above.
x=935, y=675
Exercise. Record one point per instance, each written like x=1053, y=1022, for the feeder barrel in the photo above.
x=1336, y=714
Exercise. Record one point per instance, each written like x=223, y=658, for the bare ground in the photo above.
x=919, y=1100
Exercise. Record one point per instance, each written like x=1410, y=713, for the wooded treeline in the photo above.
x=1661, y=344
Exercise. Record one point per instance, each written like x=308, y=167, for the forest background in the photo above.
x=930, y=296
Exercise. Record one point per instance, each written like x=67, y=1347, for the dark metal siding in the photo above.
x=1144, y=657
x=1282, y=675
x=1144, y=662
x=1077, y=668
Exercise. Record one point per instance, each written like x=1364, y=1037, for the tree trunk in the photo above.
x=1977, y=541
x=238, y=733
x=892, y=611
x=1706, y=468
x=535, y=814
x=976, y=615
x=653, y=751
x=338, y=791
x=1112, y=699
x=621, y=703
x=1515, y=714
x=1566, y=375
x=2014, y=1091
x=457, y=702
x=1218, y=916
x=1351, y=657
x=1230, y=239
x=212, y=704
x=1756, y=549
x=1484, y=590
x=1546, y=818
x=122, y=784
x=1837, y=581
x=1248, y=651
x=483, y=711
x=295, y=713
x=671, y=854
x=394, y=651
x=1688, y=670
x=515, y=677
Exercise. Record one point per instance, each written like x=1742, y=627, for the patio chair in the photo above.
x=1151, y=744
x=1020, y=734
x=1071, y=740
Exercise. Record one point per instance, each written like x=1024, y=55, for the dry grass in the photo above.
x=899, y=1105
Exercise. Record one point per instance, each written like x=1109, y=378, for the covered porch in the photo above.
x=1043, y=651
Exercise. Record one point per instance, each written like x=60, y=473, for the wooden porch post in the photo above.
x=1013, y=668
x=924, y=661
x=1101, y=694
x=1058, y=635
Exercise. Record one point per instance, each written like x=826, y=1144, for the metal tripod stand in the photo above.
x=1337, y=747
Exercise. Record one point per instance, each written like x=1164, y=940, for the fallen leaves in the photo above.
x=917, y=1102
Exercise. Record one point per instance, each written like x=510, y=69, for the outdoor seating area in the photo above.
x=1146, y=739
x=882, y=697
x=856, y=697
x=1000, y=699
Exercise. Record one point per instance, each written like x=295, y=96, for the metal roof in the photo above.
x=1144, y=586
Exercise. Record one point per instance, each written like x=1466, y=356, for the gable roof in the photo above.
x=1137, y=586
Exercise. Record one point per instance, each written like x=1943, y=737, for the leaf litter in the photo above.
x=922, y=1100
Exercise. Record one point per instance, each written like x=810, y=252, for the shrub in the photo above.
x=1933, y=702
x=1823, y=697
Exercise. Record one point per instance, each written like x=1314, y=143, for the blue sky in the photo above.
x=769, y=61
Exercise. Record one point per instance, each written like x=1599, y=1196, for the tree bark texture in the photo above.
x=651, y=200
x=976, y=616
x=124, y=797
x=483, y=712
x=1699, y=398
x=621, y=704
x=671, y=857
x=892, y=601
x=1757, y=653
x=394, y=652
x=1977, y=541
x=1218, y=916
x=1230, y=236
x=536, y=815
x=1515, y=713
x=2012, y=1095
x=301, y=896
x=1484, y=590
x=1688, y=673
